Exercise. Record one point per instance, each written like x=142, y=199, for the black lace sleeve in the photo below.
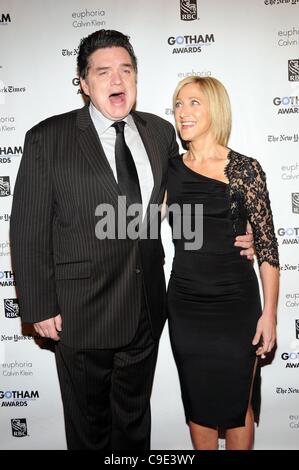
x=259, y=214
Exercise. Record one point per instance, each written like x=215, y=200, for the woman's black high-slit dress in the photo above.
x=213, y=295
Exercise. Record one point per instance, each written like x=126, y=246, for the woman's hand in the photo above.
x=265, y=334
x=246, y=242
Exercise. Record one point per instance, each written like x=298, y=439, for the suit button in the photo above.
x=137, y=271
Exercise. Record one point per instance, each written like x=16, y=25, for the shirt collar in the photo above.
x=102, y=124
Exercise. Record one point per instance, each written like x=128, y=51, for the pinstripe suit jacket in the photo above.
x=59, y=263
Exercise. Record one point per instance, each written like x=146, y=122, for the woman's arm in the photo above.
x=266, y=326
x=260, y=217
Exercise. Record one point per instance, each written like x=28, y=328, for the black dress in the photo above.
x=213, y=293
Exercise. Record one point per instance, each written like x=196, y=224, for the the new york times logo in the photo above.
x=295, y=203
x=19, y=427
x=4, y=19
x=188, y=10
x=4, y=186
x=293, y=70
x=11, y=308
x=297, y=329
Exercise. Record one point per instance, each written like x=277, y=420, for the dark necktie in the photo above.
x=127, y=176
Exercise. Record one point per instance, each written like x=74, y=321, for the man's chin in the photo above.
x=118, y=115
x=118, y=111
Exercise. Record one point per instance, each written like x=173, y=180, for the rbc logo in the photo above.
x=293, y=68
x=4, y=186
x=19, y=427
x=11, y=308
x=188, y=10
x=295, y=203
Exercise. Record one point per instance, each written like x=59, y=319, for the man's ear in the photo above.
x=84, y=86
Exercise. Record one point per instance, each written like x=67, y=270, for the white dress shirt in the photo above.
x=107, y=136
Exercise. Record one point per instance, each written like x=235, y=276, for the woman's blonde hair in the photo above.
x=219, y=104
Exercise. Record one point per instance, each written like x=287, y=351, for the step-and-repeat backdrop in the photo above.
x=253, y=48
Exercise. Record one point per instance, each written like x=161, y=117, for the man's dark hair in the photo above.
x=100, y=40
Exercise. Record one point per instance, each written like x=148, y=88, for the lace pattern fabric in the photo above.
x=250, y=201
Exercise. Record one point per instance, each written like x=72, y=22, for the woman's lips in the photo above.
x=187, y=124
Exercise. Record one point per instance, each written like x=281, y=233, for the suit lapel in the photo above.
x=93, y=151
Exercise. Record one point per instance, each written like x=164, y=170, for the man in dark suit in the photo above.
x=102, y=299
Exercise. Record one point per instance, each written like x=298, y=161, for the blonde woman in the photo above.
x=217, y=325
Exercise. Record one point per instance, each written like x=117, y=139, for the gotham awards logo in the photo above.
x=295, y=203
x=188, y=10
x=293, y=68
x=4, y=19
